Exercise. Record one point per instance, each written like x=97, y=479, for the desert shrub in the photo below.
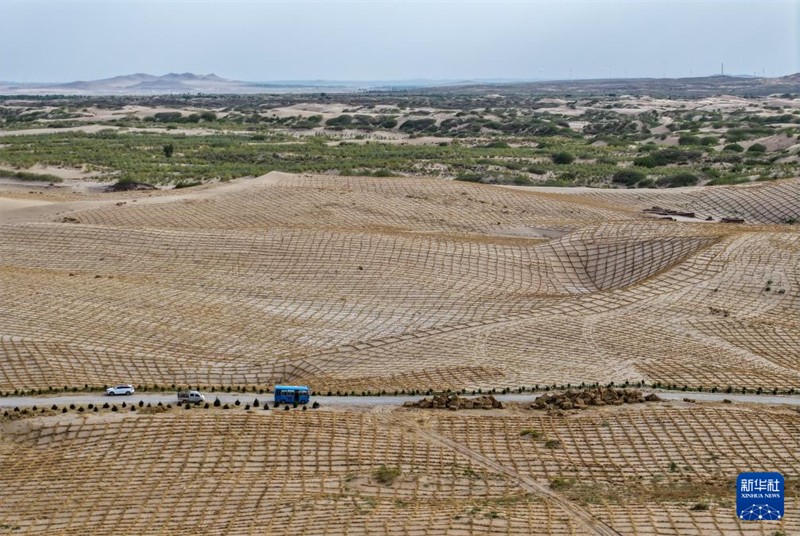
x=386, y=475
x=728, y=179
x=552, y=444
x=733, y=148
x=341, y=121
x=27, y=176
x=666, y=156
x=708, y=140
x=757, y=148
x=469, y=177
x=562, y=483
x=729, y=158
x=389, y=122
x=167, y=117
x=562, y=158
x=417, y=125
x=530, y=432
x=678, y=180
x=645, y=161
x=628, y=177
x=496, y=145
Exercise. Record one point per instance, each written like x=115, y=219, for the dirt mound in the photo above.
x=592, y=397
x=455, y=402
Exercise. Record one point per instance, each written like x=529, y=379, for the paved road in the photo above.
x=353, y=401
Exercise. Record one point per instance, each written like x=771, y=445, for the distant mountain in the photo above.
x=183, y=83
x=138, y=84
x=700, y=86
x=148, y=84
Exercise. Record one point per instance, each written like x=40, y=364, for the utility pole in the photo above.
x=722, y=69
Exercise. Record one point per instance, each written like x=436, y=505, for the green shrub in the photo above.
x=628, y=177
x=708, y=140
x=757, y=148
x=733, y=148
x=418, y=125
x=729, y=158
x=562, y=158
x=678, y=180
x=728, y=179
x=469, y=177
x=167, y=117
x=559, y=483
x=673, y=467
x=386, y=475
x=645, y=161
x=341, y=121
x=27, y=176
x=389, y=122
x=497, y=145
x=667, y=156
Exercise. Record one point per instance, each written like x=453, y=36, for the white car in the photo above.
x=120, y=390
x=193, y=397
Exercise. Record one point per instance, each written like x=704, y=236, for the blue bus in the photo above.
x=292, y=394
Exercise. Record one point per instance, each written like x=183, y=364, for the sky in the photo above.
x=62, y=41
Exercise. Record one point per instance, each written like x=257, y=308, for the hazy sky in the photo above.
x=372, y=39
